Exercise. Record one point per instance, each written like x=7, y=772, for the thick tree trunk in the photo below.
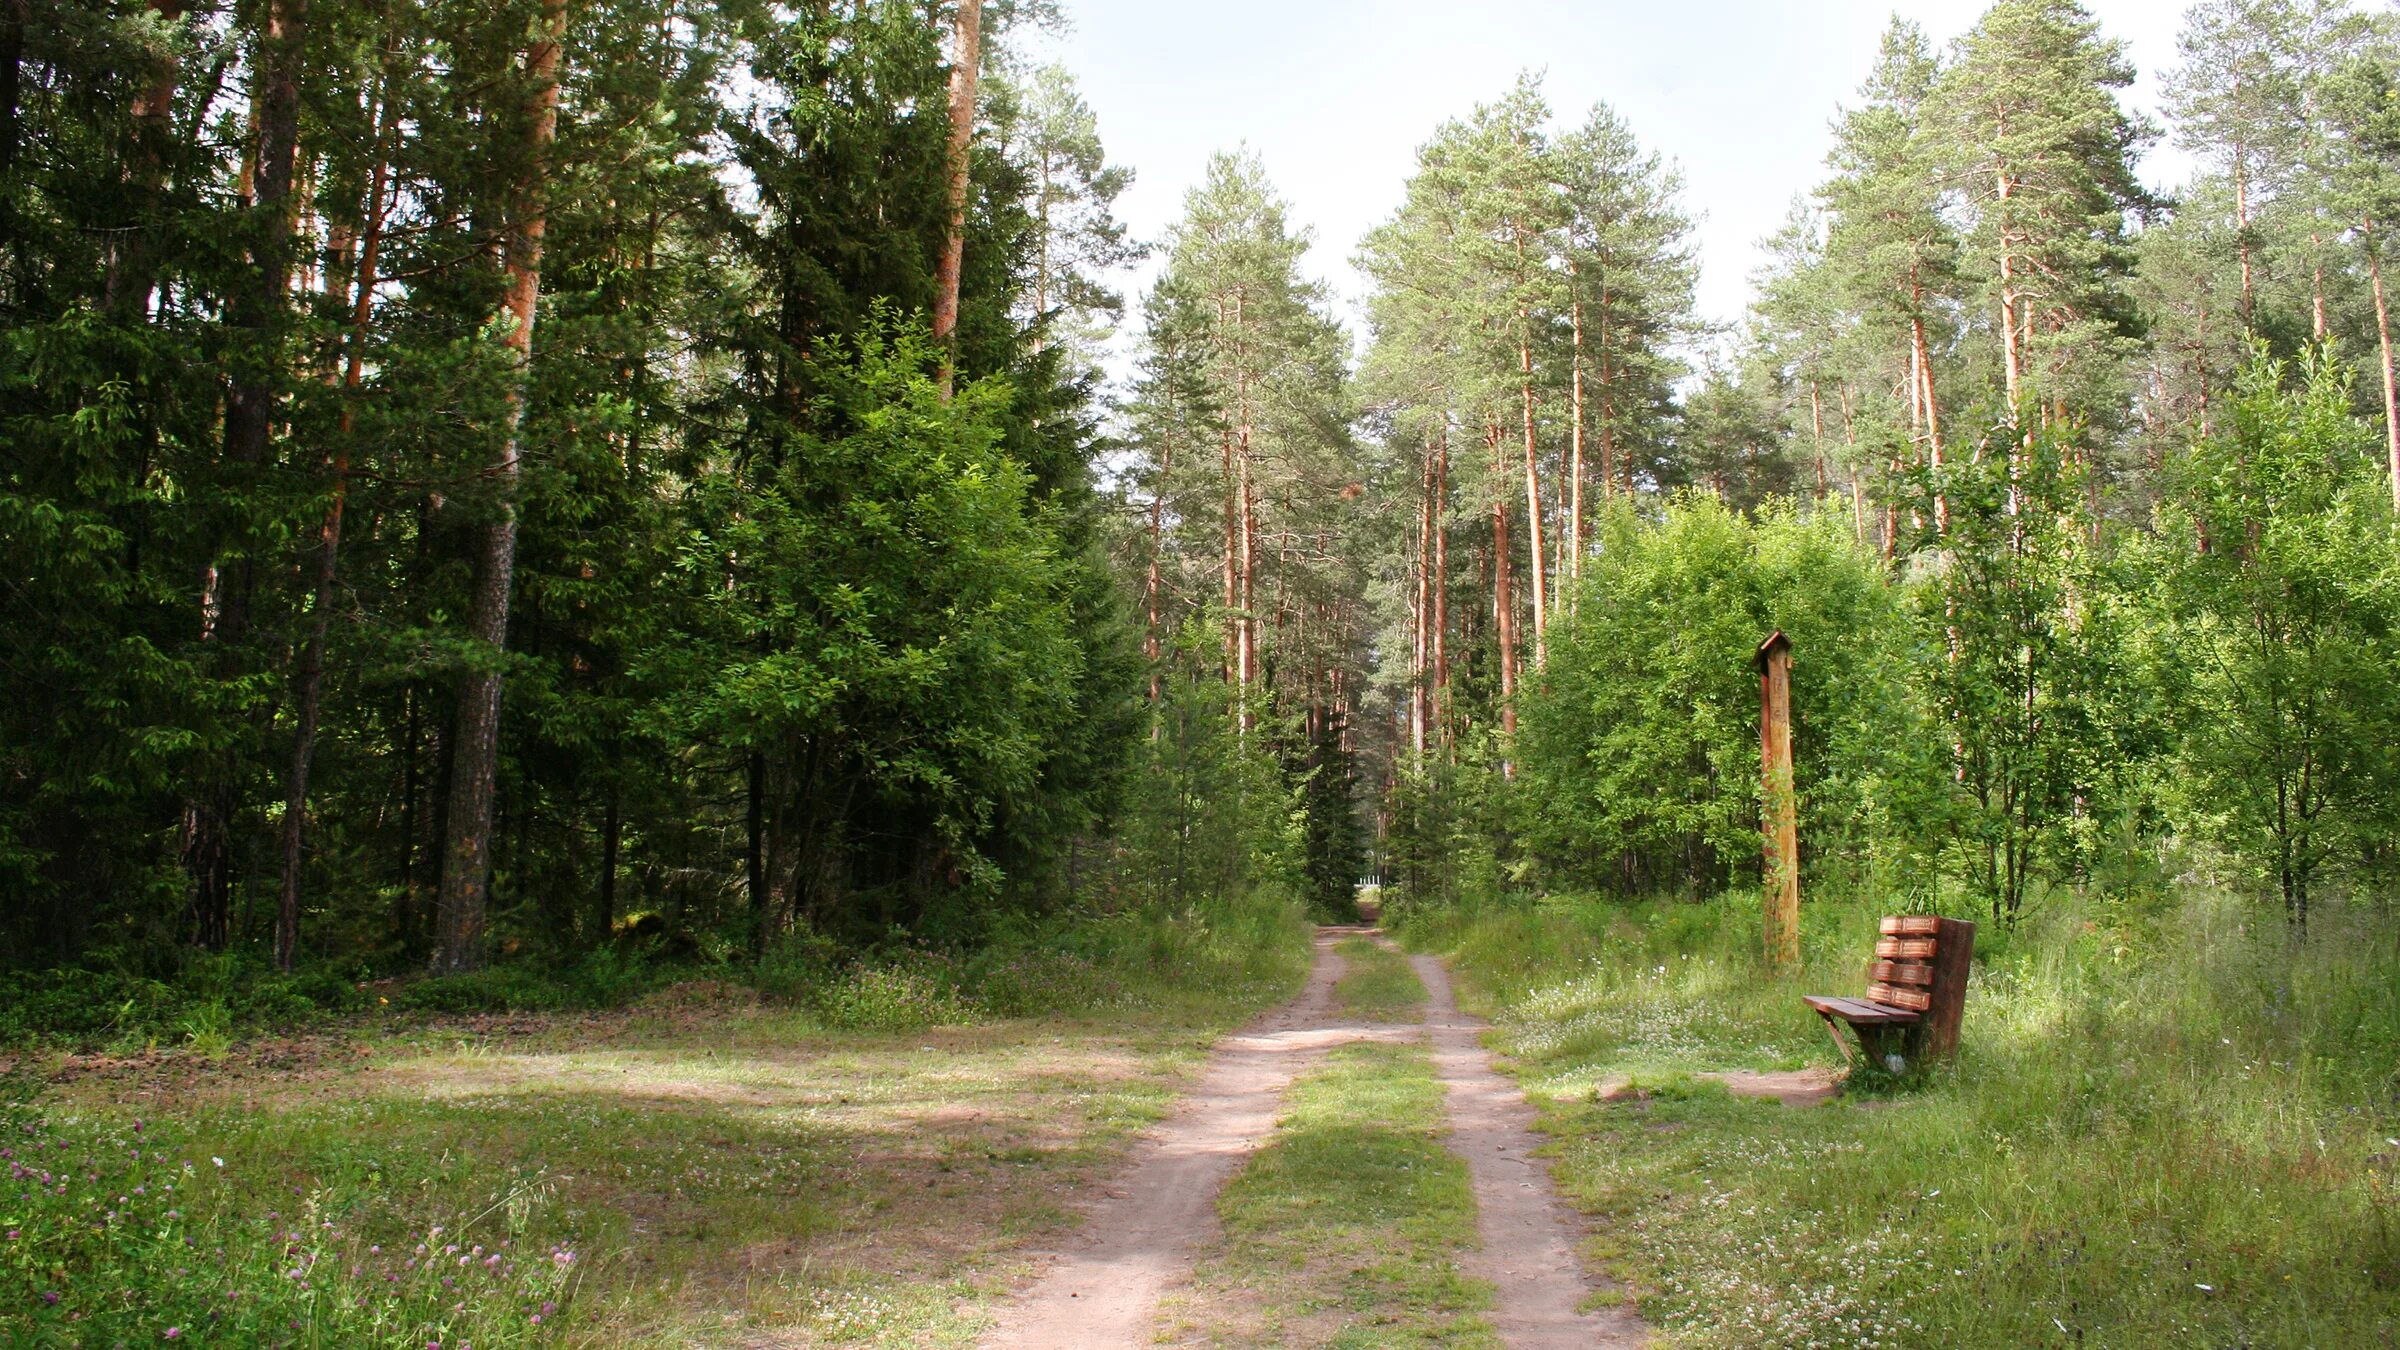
x=475, y=749
x=310, y=698
x=14, y=16
x=404, y=916
x=612, y=836
x=1931, y=414
x=966, y=59
x=754, y=846
x=133, y=255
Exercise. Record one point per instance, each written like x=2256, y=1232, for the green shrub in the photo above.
x=495, y=989
x=76, y=1006
x=893, y=997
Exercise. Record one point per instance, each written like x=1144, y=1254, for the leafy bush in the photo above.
x=231, y=994
x=509, y=988
x=73, y=1005
x=891, y=997
x=1637, y=753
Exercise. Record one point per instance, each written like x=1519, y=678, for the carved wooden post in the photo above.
x=1778, y=805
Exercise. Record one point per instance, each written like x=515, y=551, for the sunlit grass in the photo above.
x=1346, y=1228
x=2171, y=1127
x=1376, y=983
x=729, y=1169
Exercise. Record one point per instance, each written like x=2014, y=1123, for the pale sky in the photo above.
x=1336, y=95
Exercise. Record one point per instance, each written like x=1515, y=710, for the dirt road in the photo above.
x=1101, y=1291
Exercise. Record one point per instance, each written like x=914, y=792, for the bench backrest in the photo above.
x=1921, y=964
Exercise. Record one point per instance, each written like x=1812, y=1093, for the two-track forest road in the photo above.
x=1101, y=1290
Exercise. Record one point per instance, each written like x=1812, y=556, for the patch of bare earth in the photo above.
x=1101, y=1291
x=735, y=1172
x=1792, y=1087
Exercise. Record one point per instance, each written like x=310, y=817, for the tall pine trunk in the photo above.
x=309, y=703
x=1575, y=434
x=2012, y=345
x=1231, y=568
x=133, y=255
x=1246, y=606
x=1419, y=611
x=2383, y=339
x=1533, y=505
x=965, y=60
x=253, y=395
x=1150, y=583
x=467, y=873
x=14, y=16
x=1504, y=609
x=1441, y=584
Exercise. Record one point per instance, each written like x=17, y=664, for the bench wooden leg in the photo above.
x=1841, y=1042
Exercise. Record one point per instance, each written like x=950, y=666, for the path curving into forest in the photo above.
x=1101, y=1290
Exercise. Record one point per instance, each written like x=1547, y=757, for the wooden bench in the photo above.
x=1916, y=993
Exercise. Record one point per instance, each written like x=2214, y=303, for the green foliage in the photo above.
x=922, y=641
x=891, y=612
x=1638, y=751
x=2273, y=622
x=1208, y=812
x=2028, y=658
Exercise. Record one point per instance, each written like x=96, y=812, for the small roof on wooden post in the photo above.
x=1775, y=641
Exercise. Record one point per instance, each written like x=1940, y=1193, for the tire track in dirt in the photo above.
x=1526, y=1247
x=1101, y=1291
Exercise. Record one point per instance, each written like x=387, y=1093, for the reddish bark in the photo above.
x=466, y=872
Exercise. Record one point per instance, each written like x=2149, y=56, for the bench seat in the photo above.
x=1861, y=1012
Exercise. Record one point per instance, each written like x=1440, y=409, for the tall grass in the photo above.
x=1228, y=954
x=2173, y=1122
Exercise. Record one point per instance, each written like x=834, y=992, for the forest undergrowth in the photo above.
x=2172, y=1122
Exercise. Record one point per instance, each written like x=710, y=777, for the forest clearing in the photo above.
x=683, y=672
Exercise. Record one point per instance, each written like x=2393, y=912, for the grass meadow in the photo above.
x=2169, y=1124
x=862, y=1160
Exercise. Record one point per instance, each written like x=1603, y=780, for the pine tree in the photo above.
x=2042, y=152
